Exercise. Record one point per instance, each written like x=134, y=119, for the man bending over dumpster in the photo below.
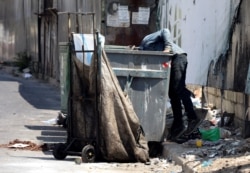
x=178, y=93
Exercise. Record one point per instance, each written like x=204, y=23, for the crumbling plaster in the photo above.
x=227, y=77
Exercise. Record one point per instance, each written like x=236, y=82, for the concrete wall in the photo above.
x=216, y=36
x=229, y=101
x=34, y=26
x=18, y=28
x=230, y=71
x=231, y=74
x=130, y=22
x=201, y=28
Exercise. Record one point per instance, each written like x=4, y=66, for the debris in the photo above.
x=199, y=143
x=207, y=163
x=78, y=160
x=25, y=145
x=27, y=75
x=227, y=119
x=26, y=70
x=52, y=121
x=211, y=134
x=196, y=102
x=224, y=133
x=213, y=116
x=19, y=145
x=62, y=119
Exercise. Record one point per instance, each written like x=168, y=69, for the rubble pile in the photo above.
x=219, y=145
x=219, y=137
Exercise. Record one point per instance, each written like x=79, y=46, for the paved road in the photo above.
x=27, y=108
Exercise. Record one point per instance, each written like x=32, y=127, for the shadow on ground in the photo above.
x=50, y=134
x=39, y=94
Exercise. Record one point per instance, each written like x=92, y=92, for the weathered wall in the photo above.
x=35, y=27
x=55, y=28
x=229, y=101
x=227, y=79
x=201, y=28
x=120, y=26
x=18, y=28
x=230, y=72
x=235, y=67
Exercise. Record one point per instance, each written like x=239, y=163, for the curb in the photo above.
x=173, y=151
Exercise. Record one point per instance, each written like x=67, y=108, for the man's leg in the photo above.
x=177, y=111
x=178, y=77
x=193, y=120
x=185, y=94
x=188, y=105
x=177, y=128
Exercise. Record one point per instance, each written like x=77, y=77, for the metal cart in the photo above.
x=143, y=75
x=82, y=110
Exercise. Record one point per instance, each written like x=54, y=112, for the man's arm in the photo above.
x=166, y=36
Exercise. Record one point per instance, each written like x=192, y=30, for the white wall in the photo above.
x=201, y=28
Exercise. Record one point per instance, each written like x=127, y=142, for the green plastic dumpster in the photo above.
x=144, y=76
x=64, y=53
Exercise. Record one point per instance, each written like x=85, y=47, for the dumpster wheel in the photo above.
x=59, y=151
x=88, y=153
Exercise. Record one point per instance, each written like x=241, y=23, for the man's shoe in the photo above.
x=176, y=133
x=181, y=132
x=192, y=126
x=181, y=139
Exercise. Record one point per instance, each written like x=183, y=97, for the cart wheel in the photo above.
x=59, y=151
x=88, y=153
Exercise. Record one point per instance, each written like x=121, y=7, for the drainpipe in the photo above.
x=25, y=26
x=77, y=19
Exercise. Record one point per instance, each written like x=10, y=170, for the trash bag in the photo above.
x=211, y=134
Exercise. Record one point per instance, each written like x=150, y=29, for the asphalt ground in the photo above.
x=28, y=111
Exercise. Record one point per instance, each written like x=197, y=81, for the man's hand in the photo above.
x=167, y=50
